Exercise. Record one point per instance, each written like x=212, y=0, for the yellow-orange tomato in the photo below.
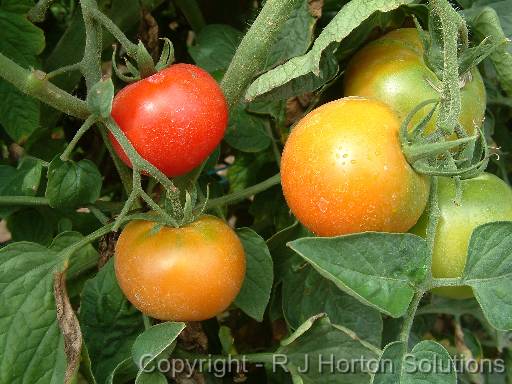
x=392, y=70
x=190, y=273
x=343, y=171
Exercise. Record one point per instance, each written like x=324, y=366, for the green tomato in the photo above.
x=391, y=69
x=485, y=199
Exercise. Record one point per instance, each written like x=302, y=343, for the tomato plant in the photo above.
x=184, y=274
x=184, y=197
x=392, y=69
x=484, y=199
x=343, y=171
x=174, y=118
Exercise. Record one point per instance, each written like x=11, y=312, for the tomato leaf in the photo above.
x=406, y=368
x=21, y=41
x=71, y=184
x=295, y=36
x=110, y=324
x=379, y=269
x=215, y=46
x=21, y=181
x=347, y=19
x=30, y=225
x=255, y=293
x=247, y=132
x=489, y=271
x=155, y=343
x=31, y=345
x=306, y=293
x=485, y=22
x=317, y=342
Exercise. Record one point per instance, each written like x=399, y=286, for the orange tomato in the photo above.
x=343, y=171
x=190, y=273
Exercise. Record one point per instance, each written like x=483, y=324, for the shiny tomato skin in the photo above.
x=343, y=171
x=392, y=69
x=190, y=273
x=485, y=198
x=174, y=118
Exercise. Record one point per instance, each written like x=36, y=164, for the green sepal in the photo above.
x=99, y=99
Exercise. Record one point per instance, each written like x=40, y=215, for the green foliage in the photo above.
x=21, y=41
x=72, y=184
x=304, y=298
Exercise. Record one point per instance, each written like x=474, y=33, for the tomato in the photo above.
x=343, y=171
x=174, y=118
x=485, y=198
x=392, y=69
x=190, y=273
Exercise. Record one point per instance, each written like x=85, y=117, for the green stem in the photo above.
x=23, y=200
x=101, y=18
x=102, y=218
x=38, y=12
x=236, y=196
x=275, y=148
x=248, y=358
x=409, y=317
x=65, y=69
x=124, y=172
x=192, y=13
x=251, y=55
x=91, y=62
x=35, y=84
x=88, y=123
x=147, y=321
x=454, y=282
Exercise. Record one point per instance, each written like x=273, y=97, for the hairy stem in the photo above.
x=129, y=47
x=23, y=200
x=236, y=196
x=409, y=317
x=251, y=55
x=88, y=123
x=38, y=12
x=91, y=62
x=35, y=84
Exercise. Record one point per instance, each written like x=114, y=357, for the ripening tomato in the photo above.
x=343, y=171
x=485, y=198
x=392, y=69
x=190, y=273
x=174, y=118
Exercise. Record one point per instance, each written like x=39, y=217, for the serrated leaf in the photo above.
x=412, y=368
x=31, y=345
x=255, y=293
x=318, y=342
x=215, y=46
x=295, y=35
x=21, y=41
x=71, y=184
x=110, y=324
x=247, y=132
x=489, y=271
x=306, y=293
x=379, y=269
x=347, y=19
x=485, y=22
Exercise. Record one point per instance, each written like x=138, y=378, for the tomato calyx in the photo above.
x=145, y=65
x=434, y=155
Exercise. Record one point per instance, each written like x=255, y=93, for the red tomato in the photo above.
x=174, y=118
